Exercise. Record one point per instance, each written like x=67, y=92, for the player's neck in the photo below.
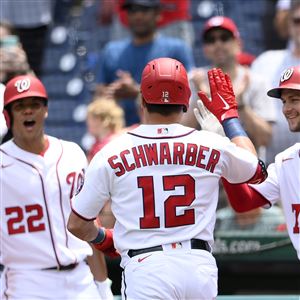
x=155, y=118
x=36, y=146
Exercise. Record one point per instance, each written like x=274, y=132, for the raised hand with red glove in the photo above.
x=104, y=242
x=222, y=104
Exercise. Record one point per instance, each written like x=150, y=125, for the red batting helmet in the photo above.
x=290, y=79
x=21, y=87
x=164, y=81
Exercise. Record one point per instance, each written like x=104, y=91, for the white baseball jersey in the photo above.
x=163, y=183
x=283, y=183
x=35, y=205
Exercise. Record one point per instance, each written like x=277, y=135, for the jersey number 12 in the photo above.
x=150, y=220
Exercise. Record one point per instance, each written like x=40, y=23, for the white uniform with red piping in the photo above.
x=283, y=184
x=35, y=205
x=163, y=181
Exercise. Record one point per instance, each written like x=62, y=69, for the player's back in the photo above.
x=163, y=182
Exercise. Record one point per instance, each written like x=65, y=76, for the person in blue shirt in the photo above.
x=122, y=61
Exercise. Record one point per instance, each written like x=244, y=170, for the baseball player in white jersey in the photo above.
x=283, y=182
x=162, y=178
x=39, y=175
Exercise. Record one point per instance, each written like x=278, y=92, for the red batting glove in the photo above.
x=222, y=104
x=107, y=245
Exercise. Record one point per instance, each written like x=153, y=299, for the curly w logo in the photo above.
x=22, y=85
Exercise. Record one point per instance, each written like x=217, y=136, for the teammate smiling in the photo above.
x=283, y=182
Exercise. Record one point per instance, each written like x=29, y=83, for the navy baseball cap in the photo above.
x=145, y=3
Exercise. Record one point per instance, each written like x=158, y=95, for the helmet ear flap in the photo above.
x=7, y=118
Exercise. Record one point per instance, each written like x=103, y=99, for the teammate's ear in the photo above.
x=46, y=113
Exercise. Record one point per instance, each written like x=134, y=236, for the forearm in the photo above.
x=244, y=142
x=106, y=217
x=97, y=264
x=84, y=230
x=236, y=133
x=242, y=197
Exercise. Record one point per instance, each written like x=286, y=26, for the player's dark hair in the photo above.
x=8, y=136
x=165, y=110
x=9, y=133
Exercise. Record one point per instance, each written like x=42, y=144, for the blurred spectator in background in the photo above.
x=273, y=24
x=221, y=45
x=13, y=62
x=30, y=19
x=281, y=19
x=12, y=56
x=104, y=120
x=175, y=19
x=270, y=65
x=122, y=61
x=245, y=59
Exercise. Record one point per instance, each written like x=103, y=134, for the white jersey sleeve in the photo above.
x=270, y=188
x=282, y=175
x=95, y=191
x=239, y=165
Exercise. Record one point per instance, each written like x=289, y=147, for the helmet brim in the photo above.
x=276, y=92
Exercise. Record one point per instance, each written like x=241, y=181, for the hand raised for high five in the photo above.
x=222, y=103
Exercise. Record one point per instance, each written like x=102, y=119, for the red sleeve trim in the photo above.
x=242, y=197
x=260, y=174
x=80, y=216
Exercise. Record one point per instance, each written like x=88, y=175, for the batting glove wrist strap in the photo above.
x=222, y=103
x=233, y=128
